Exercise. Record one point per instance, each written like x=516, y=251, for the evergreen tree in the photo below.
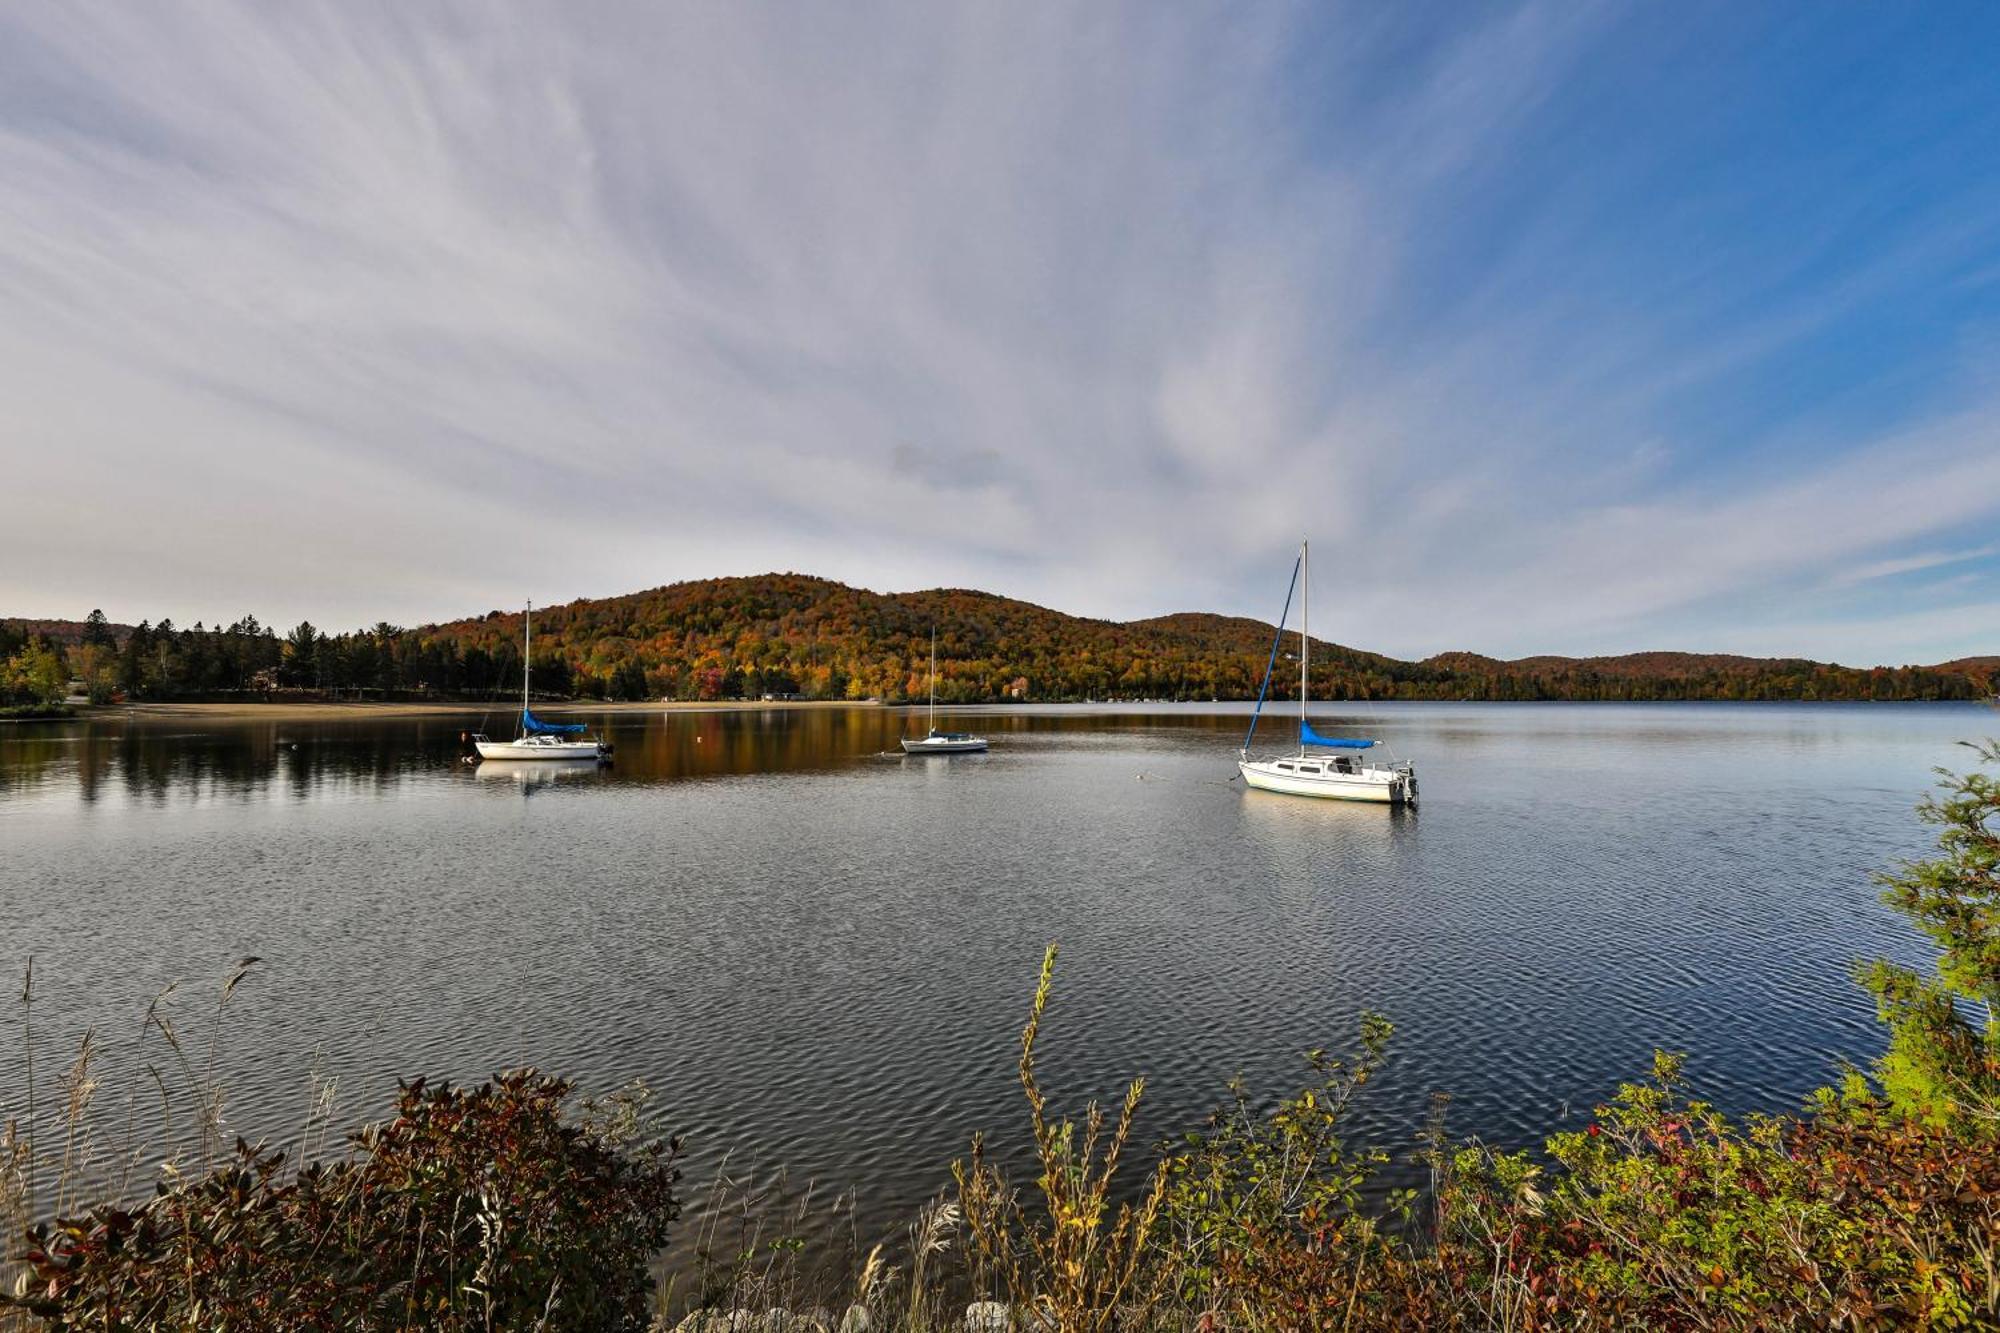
x=301, y=661
x=1943, y=1063
x=136, y=662
x=630, y=681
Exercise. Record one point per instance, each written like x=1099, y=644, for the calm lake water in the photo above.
x=819, y=953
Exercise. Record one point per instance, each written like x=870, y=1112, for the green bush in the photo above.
x=36, y=676
x=1664, y=1214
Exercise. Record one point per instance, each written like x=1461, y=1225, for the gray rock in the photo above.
x=988, y=1317
x=856, y=1320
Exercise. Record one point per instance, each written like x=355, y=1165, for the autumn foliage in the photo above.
x=794, y=635
x=471, y=1209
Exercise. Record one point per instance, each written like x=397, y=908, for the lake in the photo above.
x=819, y=953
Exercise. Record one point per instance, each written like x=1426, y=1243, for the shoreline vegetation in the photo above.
x=36, y=712
x=316, y=710
x=278, y=708
x=790, y=637
x=516, y=1205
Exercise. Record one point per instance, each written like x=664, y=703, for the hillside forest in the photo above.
x=790, y=635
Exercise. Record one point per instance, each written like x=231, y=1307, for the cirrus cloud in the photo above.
x=1546, y=320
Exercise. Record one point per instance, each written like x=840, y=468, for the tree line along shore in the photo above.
x=791, y=637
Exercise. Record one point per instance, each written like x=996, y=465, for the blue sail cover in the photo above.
x=1307, y=736
x=534, y=726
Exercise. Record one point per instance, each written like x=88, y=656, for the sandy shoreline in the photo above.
x=323, y=712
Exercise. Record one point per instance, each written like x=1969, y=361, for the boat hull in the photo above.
x=1381, y=786
x=935, y=746
x=570, y=751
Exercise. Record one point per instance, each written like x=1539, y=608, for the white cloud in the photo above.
x=1910, y=564
x=353, y=312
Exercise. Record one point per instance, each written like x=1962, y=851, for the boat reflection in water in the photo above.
x=533, y=776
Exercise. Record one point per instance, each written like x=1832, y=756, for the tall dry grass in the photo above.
x=1064, y=1255
x=57, y=1158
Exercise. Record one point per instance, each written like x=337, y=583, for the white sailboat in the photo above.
x=538, y=739
x=1341, y=776
x=942, y=742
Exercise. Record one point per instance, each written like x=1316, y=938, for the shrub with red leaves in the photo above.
x=487, y=1208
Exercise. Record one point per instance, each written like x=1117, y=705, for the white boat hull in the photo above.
x=540, y=750
x=535, y=744
x=939, y=745
x=1292, y=777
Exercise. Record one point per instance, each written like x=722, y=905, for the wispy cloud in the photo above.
x=1910, y=564
x=356, y=311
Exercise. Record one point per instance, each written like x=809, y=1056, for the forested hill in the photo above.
x=787, y=633
x=68, y=632
x=790, y=634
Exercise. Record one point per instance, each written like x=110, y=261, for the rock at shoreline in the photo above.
x=988, y=1317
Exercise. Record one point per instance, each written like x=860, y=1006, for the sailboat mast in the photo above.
x=1305, y=637
x=527, y=638
x=933, y=677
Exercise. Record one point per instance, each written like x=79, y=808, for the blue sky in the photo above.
x=1559, y=327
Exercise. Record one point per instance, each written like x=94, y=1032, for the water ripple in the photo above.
x=819, y=953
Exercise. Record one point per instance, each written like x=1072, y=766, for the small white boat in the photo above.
x=540, y=740
x=538, y=747
x=1343, y=777
x=945, y=742
x=942, y=742
x=1340, y=778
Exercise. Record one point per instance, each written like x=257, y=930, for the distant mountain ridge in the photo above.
x=61, y=631
x=1664, y=664
x=794, y=634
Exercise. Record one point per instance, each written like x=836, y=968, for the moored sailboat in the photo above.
x=942, y=742
x=538, y=739
x=1344, y=776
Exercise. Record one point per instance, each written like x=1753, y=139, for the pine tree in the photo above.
x=1941, y=1067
